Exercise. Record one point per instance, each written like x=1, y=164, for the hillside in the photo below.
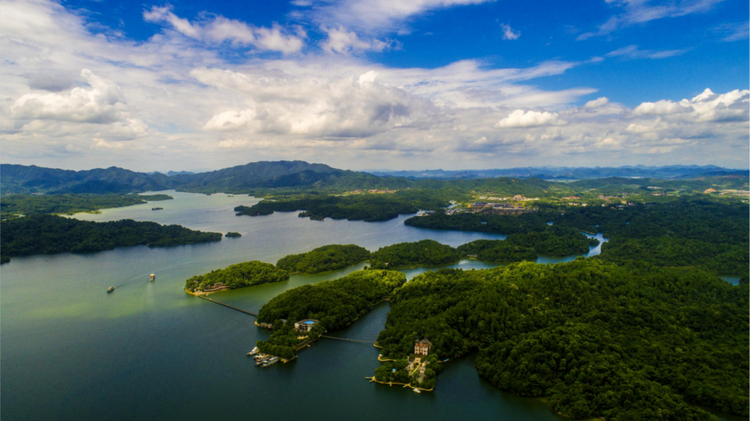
x=22, y=179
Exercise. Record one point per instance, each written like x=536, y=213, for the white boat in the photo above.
x=253, y=352
x=417, y=391
x=271, y=361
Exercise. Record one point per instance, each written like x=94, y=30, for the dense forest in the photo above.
x=238, y=276
x=684, y=232
x=48, y=234
x=369, y=207
x=425, y=252
x=324, y=258
x=551, y=241
x=335, y=304
x=597, y=339
x=16, y=204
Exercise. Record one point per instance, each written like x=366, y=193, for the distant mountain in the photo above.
x=573, y=173
x=32, y=179
x=256, y=177
x=239, y=179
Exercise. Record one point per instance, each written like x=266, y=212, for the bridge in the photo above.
x=227, y=306
x=347, y=339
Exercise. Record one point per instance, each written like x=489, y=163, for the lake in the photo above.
x=149, y=351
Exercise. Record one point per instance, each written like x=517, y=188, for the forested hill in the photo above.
x=24, y=179
x=21, y=179
x=258, y=178
x=288, y=174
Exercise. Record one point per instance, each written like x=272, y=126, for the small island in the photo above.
x=235, y=276
x=233, y=234
x=322, y=307
x=324, y=258
x=425, y=252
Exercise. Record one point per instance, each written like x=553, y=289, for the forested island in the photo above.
x=332, y=305
x=595, y=338
x=14, y=205
x=356, y=207
x=321, y=259
x=425, y=252
x=49, y=234
x=551, y=241
x=236, y=276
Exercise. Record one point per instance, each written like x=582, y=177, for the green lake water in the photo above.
x=149, y=351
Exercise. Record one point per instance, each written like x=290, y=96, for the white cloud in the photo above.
x=218, y=29
x=596, y=103
x=102, y=103
x=346, y=42
x=508, y=33
x=632, y=52
x=707, y=106
x=379, y=15
x=521, y=118
x=639, y=11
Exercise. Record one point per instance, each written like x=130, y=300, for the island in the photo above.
x=49, y=234
x=239, y=275
x=322, y=307
x=321, y=259
x=233, y=234
x=425, y=252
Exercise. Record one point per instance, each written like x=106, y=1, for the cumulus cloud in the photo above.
x=329, y=107
x=707, y=106
x=218, y=29
x=521, y=118
x=596, y=103
x=509, y=33
x=102, y=103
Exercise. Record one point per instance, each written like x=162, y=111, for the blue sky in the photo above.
x=381, y=83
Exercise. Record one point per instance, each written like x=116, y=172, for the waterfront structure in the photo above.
x=422, y=347
x=305, y=325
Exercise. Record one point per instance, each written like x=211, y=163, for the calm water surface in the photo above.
x=148, y=351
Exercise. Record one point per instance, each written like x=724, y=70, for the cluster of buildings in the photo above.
x=373, y=191
x=499, y=208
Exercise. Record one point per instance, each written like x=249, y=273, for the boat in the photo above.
x=261, y=361
x=417, y=391
x=157, y=208
x=259, y=357
x=253, y=352
x=110, y=289
x=271, y=361
x=152, y=277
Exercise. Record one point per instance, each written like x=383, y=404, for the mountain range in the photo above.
x=23, y=179
x=573, y=173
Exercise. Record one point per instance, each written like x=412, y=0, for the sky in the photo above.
x=374, y=84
